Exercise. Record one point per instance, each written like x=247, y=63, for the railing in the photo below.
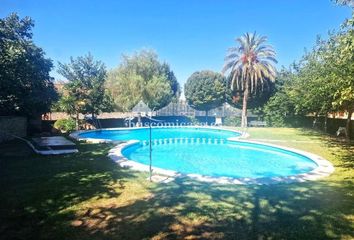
x=95, y=121
x=184, y=141
x=98, y=123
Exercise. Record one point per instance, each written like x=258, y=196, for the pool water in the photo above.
x=207, y=151
x=229, y=159
x=160, y=133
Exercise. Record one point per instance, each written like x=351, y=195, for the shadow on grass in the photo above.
x=190, y=210
x=35, y=189
x=342, y=149
x=41, y=199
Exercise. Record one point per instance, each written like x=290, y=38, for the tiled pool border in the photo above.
x=325, y=168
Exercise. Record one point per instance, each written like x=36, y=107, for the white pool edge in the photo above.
x=324, y=167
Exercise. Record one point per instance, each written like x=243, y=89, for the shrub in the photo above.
x=65, y=125
x=232, y=121
x=193, y=120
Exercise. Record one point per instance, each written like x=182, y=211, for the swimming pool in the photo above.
x=229, y=159
x=210, y=154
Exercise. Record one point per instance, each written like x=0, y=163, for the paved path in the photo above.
x=53, y=145
x=53, y=141
x=275, y=140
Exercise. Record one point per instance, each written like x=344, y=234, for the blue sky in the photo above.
x=189, y=35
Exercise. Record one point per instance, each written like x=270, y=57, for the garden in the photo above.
x=87, y=196
x=103, y=191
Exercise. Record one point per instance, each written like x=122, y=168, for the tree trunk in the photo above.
x=94, y=121
x=325, y=122
x=314, y=123
x=77, y=120
x=244, y=107
x=206, y=116
x=348, y=124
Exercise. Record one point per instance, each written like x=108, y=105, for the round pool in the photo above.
x=221, y=159
x=210, y=154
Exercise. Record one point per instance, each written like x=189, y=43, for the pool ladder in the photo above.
x=184, y=141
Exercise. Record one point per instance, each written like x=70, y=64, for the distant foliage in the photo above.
x=65, y=125
x=280, y=106
x=276, y=110
x=256, y=99
x=194, y=120
x=205, y=90
x=142, y=77
x=232, y=121
x=349, y=3
x=25, y=85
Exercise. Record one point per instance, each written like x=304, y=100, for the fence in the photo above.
x=333, y=124
x=12, y=125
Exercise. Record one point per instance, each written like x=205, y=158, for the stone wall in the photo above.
x=12, y=125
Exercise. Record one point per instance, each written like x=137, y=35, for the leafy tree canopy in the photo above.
x=349, y=3
x=26, y=87
x=322, y=81
x=84, y=92
x=205, y=90
x=142, y=77
x=256, y=99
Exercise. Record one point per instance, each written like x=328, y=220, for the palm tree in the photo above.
x=250, y=66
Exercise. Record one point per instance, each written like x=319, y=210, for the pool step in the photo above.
x=184, y=141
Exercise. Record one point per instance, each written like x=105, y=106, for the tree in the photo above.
x=205, y=90
x=313, y=90
x=349, y=3
x=84, y=93
x=250, y=66
x=142, y=77
x=280, y=106
x=256, y=99
x=323, y=80
x=25, y=83
x=66, y=104
x=339, y=60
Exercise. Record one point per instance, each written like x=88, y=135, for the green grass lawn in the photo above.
x=87, y=196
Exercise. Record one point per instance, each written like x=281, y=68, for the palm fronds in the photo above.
x=250, y=62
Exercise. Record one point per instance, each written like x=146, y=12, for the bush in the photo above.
x=65, y=125
x=278, y=109
x=194, y=120
x=276, y=119
x=232, y=121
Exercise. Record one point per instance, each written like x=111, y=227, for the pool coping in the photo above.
x=324, y=167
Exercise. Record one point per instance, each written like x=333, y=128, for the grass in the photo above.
x=87, y=196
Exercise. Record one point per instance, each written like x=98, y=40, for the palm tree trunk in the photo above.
x=244, y=107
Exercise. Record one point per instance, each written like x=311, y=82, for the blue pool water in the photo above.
x=207, y=152
x=159, y=133
x=229, y=159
